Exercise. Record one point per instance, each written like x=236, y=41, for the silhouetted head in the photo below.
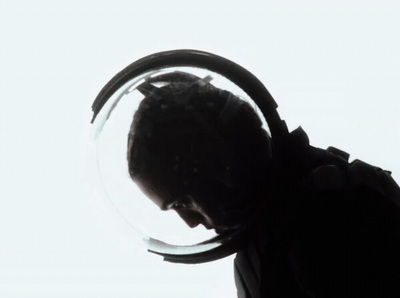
x=198, y=150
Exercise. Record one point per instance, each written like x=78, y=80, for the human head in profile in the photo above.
x=199, y=150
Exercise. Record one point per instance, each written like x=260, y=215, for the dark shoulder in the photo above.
x=346, y=233
x=357, y=194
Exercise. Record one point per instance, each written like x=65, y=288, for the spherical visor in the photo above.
x=147, y=131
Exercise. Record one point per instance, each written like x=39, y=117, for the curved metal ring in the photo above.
x=232, y=71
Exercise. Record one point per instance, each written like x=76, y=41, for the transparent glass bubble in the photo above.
x=164, y=229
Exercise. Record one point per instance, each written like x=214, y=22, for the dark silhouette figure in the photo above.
x=320, y=226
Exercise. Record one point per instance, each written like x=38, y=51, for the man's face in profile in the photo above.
x=209, y=203
x=198, y=150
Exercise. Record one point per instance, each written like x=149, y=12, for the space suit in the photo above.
x=333, y=231
x=327, y=228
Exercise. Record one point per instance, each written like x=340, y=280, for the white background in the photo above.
x=333, y=67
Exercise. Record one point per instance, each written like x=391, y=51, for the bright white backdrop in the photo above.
x=333, y=67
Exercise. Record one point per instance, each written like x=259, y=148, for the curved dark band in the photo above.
x=193, y=58
x=203, y=257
